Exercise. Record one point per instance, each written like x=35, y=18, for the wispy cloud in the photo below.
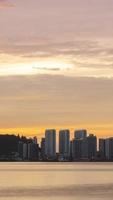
x=47, y=68
x=87, y=57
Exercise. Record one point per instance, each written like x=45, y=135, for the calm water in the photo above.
x=56, y=181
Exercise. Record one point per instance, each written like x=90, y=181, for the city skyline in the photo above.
x=83, y=146
x=56, y=66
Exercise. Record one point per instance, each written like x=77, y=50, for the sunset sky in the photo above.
x=56, y=66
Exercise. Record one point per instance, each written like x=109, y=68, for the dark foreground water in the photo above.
x=56, y=181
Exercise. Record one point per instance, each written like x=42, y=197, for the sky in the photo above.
x=56, y=66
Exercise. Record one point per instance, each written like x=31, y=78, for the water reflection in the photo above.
x=56, y=181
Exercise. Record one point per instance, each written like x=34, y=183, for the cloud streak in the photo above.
x=86, y=57
x=47, y=69
x=72, y=31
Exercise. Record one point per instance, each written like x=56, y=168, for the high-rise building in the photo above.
x=80, y=149
x=109, y=148
x=35, y=151
x=20, y=149
x=102, y=148
x=71, y=150
x=64, y=144
x=76, y=149
x=25, y=151
x=34, y=140
x=92, y=146
x=80, y=134
x=50, y=144
x=80, y=145
x=30, y=151
x=84, y=149
x=43, y=148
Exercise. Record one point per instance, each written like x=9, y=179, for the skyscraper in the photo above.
x=25, y=151
x=34, y=140
x=76, y=149
x=84, y=148
x=50, y=144
x=92, y=146
x=43, y=149
x=80, y=134
x=109, y=148
x=20, y=149
x=102, y=148
x=80, y=145
x=64, y=144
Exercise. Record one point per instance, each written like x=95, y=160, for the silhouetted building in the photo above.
x=80, y=134
x=102, y=150
x=34, y=140
x=25, y=151
x=76, y=149
x=64, y=144
x=43, y=149
x=92, y=146
x=71, y=150
x=84, y=148
x=20, y=149
x=50, y=144
x=33, y=151
x=29, y=151
x=109, y=148
x=81, y=148
x=8, y=145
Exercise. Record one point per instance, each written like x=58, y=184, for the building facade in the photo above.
x=80, y=134
x=50, y=144
x=64, y=144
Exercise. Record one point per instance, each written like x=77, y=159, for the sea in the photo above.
x=56, y=181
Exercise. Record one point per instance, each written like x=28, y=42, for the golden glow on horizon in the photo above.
x=98, y=130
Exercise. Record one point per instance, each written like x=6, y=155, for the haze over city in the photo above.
x=56, y=66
